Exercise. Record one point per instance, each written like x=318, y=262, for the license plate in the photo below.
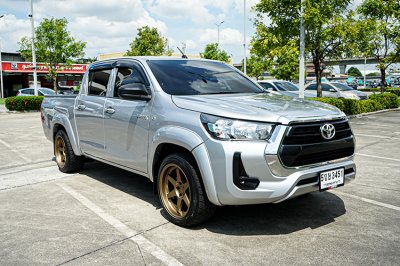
x=331, y=179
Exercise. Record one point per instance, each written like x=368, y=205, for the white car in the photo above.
x=336, y=90
x=31, y=92
x=283, y=87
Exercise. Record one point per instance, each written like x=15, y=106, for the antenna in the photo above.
x=183, y=54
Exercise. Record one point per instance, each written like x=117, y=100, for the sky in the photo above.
x=110, y=25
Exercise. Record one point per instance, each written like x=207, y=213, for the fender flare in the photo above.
x=189, y=140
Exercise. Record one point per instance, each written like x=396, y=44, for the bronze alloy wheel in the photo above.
x=60, y=151
x=175, y=190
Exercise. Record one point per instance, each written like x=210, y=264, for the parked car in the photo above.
x=203, y=132
x=337, y=90
x=31, y=92
x=65, y=90
x=283, y=87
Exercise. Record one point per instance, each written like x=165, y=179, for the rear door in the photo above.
x=126, y=122
x=89, y=111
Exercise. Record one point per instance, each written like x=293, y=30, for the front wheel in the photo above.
x=66, y=159
x=181, y=192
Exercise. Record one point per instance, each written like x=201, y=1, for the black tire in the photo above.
x=67, y=161
x=200, y=209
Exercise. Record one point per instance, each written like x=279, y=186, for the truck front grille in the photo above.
x=303, y=144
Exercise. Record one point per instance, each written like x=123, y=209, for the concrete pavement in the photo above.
x=106, y=216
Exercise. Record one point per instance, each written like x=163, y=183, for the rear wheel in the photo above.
x=66, y=159
x=181, y=192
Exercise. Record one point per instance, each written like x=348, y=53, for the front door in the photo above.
x=126, y=122
x=89, y=113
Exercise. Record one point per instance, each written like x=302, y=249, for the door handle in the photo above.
x=110, y=110
x=81, y=107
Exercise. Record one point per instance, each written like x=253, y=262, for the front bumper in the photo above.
x=259, y=159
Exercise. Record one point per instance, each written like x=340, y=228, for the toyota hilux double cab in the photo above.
x=202, y=131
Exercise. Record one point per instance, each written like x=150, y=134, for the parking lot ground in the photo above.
x=107, y=216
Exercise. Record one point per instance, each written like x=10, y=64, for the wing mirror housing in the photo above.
x=332, y=90
x=134, y=91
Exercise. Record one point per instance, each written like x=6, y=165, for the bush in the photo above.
x=387, y=100
x=374, y=103
x=24, y=103
x=394, y=91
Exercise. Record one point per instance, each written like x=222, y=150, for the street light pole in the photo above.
x=1, y=70
x=218, y=25
x=33, y=50
x=302, y=54
x=244, y=37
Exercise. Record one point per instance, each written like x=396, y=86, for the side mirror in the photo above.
x=134, y=91
x=332, y=90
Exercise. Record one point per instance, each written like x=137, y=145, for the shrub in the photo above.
x=353, y=107
x=387, y=100
x=24, y=103
x=394, y=91
x=332, y=101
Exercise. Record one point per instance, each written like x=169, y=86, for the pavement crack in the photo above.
x=114, y=243
x=140, y=251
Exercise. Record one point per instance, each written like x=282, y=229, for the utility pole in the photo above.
x=244, y=36
x=302, y=53
x=33, y=50
x=365, y=76
x=218, y=25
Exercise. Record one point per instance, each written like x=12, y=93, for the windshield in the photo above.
x=193, y=77
x=342, y=87
x=47, y=91
x=286, y=86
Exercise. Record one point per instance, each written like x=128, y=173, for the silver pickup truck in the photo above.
x=203, y=132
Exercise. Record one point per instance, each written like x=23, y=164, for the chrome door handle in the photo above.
x=81, y=107
x=110, y=110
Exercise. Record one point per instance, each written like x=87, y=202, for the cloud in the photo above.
x=106, y=26
x=12, y=30
x=227, y=36
x=195, y=10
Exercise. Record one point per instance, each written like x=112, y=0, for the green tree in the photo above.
x=373, y=74
x=212, y=51
x=328, y=32
x=54, y=45
x=355, y=72
x=149, y=41
x=380, y=34
x=256, y=66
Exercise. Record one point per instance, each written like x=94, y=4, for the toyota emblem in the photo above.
x=327, y=131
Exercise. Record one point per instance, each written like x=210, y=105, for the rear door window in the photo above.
x=312, y=87
x=98, y=80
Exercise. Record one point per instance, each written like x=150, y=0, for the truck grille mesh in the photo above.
x=303, y=144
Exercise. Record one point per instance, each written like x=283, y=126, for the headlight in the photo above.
x=227, y=129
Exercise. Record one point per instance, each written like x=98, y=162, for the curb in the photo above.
x=373, y=113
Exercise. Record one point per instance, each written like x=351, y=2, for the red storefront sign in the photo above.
x=27, y=67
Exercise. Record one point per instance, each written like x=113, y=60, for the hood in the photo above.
x=265, y=107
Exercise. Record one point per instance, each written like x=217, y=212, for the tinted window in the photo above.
x=326, y=87
x=127, y=75
x=312, y=87
x=266, y=86
x=192, y=77
x=286, y=86
x=342, y=87
x=98, y=80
